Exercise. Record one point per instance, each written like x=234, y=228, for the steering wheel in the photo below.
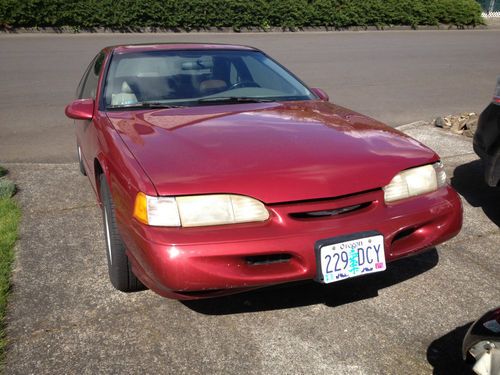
x=243, y=84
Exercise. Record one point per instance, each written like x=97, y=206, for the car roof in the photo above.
x=127, y=48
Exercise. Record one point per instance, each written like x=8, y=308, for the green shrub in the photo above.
x=7, y=188
x=194, y=14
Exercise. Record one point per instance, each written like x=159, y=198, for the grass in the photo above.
x=9, y=221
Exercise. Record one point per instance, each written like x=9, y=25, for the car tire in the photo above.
x=119, y=268
x=80, y=161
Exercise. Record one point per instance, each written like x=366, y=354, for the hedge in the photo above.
x=237, y=14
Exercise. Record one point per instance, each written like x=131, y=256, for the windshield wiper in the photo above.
x=144, y=105
x=234, y=99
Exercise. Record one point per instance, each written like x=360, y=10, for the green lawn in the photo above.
x=9, y=220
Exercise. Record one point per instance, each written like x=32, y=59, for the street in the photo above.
x=394, y=76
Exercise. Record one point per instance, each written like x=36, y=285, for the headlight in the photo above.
x=415, y=181
x=198, y=210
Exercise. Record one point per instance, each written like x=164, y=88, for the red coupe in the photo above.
x=219, y=171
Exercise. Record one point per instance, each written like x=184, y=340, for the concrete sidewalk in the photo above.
x=493, y=23
x=65, y=318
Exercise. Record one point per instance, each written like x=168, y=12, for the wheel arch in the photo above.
x=100, y=167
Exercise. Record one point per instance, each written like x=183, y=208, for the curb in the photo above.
x=421, y=124
x=411, y=125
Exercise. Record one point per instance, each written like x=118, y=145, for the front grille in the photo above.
x=330, y=212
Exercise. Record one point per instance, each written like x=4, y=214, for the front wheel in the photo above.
x=119, y=268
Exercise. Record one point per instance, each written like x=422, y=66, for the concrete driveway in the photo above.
x=65, y=318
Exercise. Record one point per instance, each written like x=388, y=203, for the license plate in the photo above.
x=349, y=256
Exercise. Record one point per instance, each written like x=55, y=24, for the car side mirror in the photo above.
x=321, y=94
x=81, y=109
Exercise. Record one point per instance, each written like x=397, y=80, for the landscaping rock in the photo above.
x=457, y=124
x=468, y=133
x=471, y=125
x=465, y=123
x=439, y=122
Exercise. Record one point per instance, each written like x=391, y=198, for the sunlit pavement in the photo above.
x=65, y=317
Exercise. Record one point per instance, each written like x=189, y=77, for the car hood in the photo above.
x=274, y=152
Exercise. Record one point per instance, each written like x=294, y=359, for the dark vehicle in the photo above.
x=487, y=139
x=481, y=344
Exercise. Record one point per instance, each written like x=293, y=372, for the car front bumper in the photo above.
x=187, y=263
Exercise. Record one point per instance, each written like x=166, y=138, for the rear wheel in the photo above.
x=119, y=268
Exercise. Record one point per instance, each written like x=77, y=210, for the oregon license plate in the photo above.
x=349, y=256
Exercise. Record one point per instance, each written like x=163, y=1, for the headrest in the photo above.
x=212, y=84
x=126, y=88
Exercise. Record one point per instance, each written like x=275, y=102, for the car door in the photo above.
x=86, y=132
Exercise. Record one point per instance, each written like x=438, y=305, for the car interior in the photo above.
x=189, y=79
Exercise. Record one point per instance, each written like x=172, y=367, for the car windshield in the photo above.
x=155, y=79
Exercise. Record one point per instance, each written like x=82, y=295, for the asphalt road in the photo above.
x=394, y=76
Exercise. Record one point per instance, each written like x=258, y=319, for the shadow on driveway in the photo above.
x=468, y=180
x=311, y=293
x=445, y=353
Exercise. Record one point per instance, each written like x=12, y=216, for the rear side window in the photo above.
x=89, y=84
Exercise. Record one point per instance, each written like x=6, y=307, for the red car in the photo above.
x=219, y=171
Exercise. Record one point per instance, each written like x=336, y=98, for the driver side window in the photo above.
x=89, y=86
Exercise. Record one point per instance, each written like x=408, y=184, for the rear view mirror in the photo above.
x=82, y=109
x=320, y=94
